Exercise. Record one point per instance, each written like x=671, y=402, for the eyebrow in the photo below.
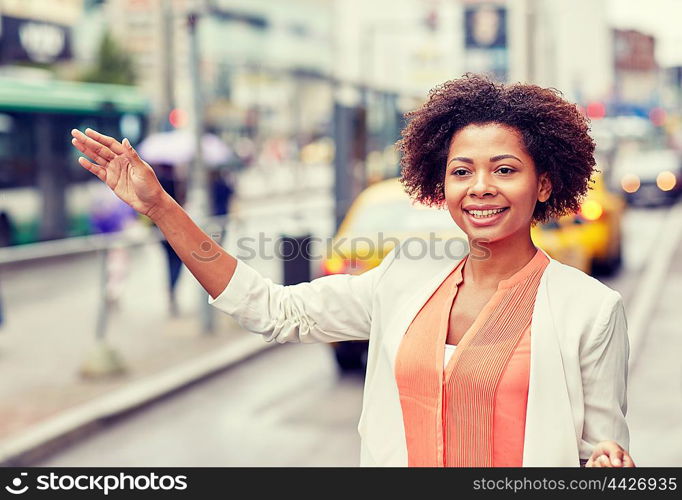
x=492, y=158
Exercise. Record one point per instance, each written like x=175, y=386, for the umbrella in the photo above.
x=177, y=146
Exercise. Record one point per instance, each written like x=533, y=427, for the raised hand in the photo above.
x=119, y=166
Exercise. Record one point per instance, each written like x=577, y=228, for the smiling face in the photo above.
x=488, y=165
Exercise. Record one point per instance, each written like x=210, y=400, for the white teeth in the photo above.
x=484, y=213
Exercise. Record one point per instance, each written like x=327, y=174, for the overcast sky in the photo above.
x=661, y=18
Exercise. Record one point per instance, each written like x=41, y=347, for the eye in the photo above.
x=508, y=171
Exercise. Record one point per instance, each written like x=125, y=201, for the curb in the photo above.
x=50, y=436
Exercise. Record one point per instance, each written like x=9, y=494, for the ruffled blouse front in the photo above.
x=470, y=411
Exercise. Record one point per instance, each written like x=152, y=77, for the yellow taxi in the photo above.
x=380, y=216
x=590, y=240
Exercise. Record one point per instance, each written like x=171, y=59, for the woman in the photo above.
x=538, y=376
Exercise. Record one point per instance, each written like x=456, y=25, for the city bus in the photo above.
x=44, y=193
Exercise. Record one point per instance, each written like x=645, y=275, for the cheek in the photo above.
x=528, y=197
x=520, y=194
x=453, y=200
x=451, y=193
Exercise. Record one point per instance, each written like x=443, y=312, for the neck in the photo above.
x=490, y=263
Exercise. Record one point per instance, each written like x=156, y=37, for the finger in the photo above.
x=129, y=147
x=95, y=169
x=596, y=452
x=89, y=153
x=614, y=453
x=604, y=461
x=131, y=150
x=80, y=146
x=110, y=142
x=589, y=463
x=92, y=146
x=616, y=457
x=627, y=460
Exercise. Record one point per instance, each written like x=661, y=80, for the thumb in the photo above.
x=138, y=164
x=130, y=151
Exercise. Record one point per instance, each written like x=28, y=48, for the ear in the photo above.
x=544, y=187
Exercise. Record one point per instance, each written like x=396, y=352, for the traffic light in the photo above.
x=657, y=116
x=177, y=118
x=596, y=110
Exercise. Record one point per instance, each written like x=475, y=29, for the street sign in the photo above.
x=33, y=40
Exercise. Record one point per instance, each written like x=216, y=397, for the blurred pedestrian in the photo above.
x=222, y=189
x=108, y=215
x=507, y=358
x=166, y=174
x=5, y=229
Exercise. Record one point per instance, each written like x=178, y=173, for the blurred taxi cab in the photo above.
x=590, y=240
x=383, y=214
x=380, y=216
x=650, y=177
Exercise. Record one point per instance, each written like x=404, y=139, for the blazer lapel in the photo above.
x=409, y=309
x=549, y=439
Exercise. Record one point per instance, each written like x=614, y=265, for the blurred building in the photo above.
x=637, y=72
x=61, y=12
x=249, y=51
x=411, y=46
x=561, y=44
x=404, y=46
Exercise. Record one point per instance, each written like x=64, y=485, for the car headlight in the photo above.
x=630, y=183
x=334, y=265
x=666, y=180
x=591, y=210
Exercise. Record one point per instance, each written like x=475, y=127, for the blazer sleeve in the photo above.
x=327, y=309
x=604, y=367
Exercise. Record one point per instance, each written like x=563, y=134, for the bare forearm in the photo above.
x=210, y=264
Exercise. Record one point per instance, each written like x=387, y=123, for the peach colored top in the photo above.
x=471, y=412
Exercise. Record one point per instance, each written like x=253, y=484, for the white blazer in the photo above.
x=578, y=360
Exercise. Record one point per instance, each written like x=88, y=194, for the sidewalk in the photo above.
x=49, y=331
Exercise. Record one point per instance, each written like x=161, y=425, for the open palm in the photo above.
x=120, y=167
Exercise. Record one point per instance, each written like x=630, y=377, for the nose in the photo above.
x=482, y=184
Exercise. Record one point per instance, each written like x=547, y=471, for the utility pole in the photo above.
x=531, y=35
x=197, y=190
x=167, y=65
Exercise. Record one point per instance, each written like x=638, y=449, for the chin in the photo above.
x=490, y=235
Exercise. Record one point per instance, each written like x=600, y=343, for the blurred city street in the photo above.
x=287, y=407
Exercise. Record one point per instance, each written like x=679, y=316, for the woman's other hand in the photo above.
x=609, y=454
x=119, y=166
